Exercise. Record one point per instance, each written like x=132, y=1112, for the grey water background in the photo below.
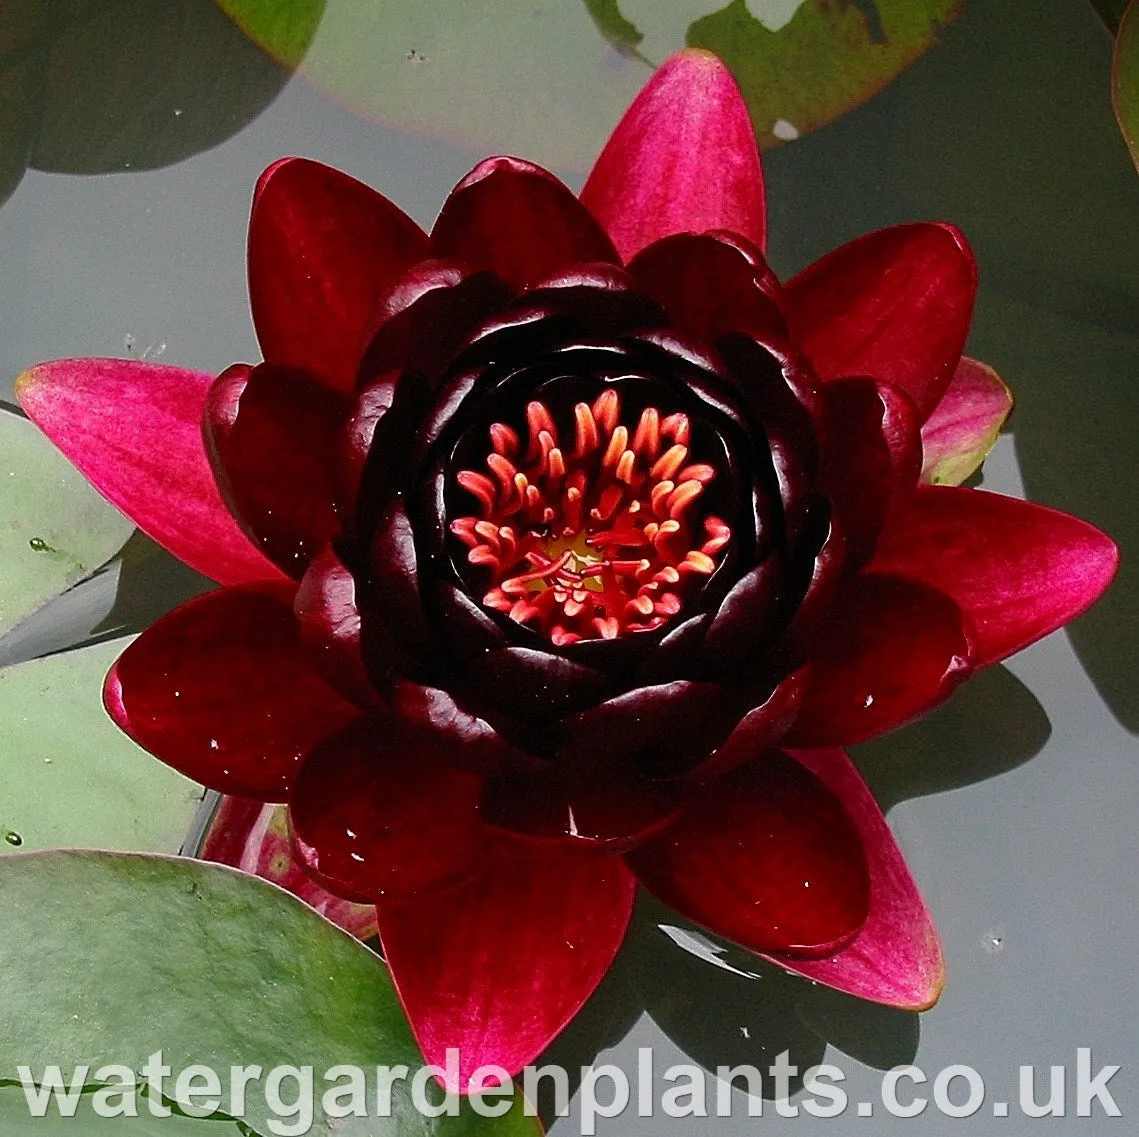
x=1017, y=804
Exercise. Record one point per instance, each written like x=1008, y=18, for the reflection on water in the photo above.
x=96, y=86
x=1007, y=129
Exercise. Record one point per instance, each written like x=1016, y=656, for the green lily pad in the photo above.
x=541, y=78
x=828, y=59
x=16, y=1117
x=94, y=86
x=69, y=776
x=54, y=528
x=108, y=958
x=1125, y=79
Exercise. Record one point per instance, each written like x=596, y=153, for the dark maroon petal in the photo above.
x=743, y=623
x=871, y=457
x=894, y=305
x=471, y=742
x=223, y=689
x=766, y=856
x=759, y=730
x=533, y=684
x=892, y=650
x=610, y=813
x=896, y=958
x=377, y=812
x=711, y=286
x=1017, y=570
x=499, y=969
x=516, y=220
x=325, y=607
x=682, y=159
x=642, y=726
x=323, y=248
x=782, y=396
x=272, y=437
x=394, y=587
x=254, y=836
x=598, y=298
x=827, y=559
x=427, y=314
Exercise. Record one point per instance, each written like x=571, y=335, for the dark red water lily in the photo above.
x=563, y=548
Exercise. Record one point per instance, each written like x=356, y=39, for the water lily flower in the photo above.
x=563, y=550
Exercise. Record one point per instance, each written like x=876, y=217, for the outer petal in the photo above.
x=682, y=160
x=894, y=305
x=377, y=812
x=892, y=650
x=507, y=959
x=518, y=221
x=896, y=957
x=1017, y=570
x=222, y=689
x=322, y=248
x=254, y=837
x=965, y=425
x=610, y=812
x=765, y=856
x=273, y=439
x=135, y=432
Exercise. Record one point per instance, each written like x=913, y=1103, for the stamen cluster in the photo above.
x=596, y=541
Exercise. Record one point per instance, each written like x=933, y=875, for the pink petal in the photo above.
x=892, y=650
x=894, y=305
x=323, y=247
x=134, y=430
x=377, y=811
x=683, y=159
x=222, y=689
x=518, y=221
x=1017, y=570
x=498, y=966
x=273, y=437
x=765, y=856
x=254, y=837
x=895, y=958
x=964, y=425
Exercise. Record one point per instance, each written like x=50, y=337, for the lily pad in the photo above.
x=1125, y=79
x=54, y=528
x=95, y=86
x=69, y=776
x=15, y=1117
x=231, y=972
x=828, y=59
x=548, y=78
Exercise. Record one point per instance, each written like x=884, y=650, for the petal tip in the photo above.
x=113, y=699
x=26, y=386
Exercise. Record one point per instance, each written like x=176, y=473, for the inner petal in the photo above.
x=595, y=531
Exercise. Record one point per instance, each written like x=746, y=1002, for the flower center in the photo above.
x=597, y=541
